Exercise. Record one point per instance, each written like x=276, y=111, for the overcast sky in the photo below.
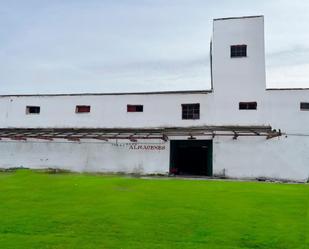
x=64, y=46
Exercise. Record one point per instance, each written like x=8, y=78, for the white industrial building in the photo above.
x=239, y=128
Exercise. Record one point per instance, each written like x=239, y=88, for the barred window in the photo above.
x=190, y=111
x=238, y=51
x=247, y=105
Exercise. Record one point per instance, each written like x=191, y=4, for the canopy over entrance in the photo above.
x=133, y=134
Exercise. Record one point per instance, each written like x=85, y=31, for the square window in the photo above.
x=190, y=111
x=33, y=110
x=82, y=109
x=238, y=51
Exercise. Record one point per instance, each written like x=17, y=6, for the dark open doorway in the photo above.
x=191, y=157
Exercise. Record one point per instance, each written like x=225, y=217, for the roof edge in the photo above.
x=288, y=89
x=142, y=129
x=237, y=17
x=104, y=94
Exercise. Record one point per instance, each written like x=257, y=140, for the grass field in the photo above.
x=40, y=210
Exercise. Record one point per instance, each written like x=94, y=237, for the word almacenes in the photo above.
x=146, y=147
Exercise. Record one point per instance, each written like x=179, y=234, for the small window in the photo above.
x=82, y=109
x=190, y=111
x=247, y=105
x=304, y=106
x=238, y=51
x=33, y=110
x=135, y=108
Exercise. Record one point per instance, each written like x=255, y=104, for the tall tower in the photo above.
x=238, y=58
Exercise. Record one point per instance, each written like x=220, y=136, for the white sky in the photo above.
x=66, y=46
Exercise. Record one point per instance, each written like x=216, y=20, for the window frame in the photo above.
x=239, y=51
x=250, y=106
x=36, y=107
x=79, y=107
x=304, y=106
x=191, y=111
x=135, y=108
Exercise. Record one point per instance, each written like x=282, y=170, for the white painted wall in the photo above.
x=89, y=156
x=107, y=111
x=234, y=80
x=250, y=157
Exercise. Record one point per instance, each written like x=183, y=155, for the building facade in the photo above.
x=239, y=128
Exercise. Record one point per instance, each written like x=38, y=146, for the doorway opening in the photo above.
x=191, y=157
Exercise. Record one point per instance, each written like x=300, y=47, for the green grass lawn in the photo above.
x=40, y=210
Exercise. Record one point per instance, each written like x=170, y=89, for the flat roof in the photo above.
x=99, y=94
x=237, y=17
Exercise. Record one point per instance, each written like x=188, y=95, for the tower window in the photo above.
x=33, y=110
x=238, y=51
x=82, y=109
x=190, y=111
x=135, y=108
x=247, y=105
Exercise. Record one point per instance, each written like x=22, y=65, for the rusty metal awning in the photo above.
x=134, y=134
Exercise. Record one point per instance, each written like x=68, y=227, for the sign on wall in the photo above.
x=141, y=146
